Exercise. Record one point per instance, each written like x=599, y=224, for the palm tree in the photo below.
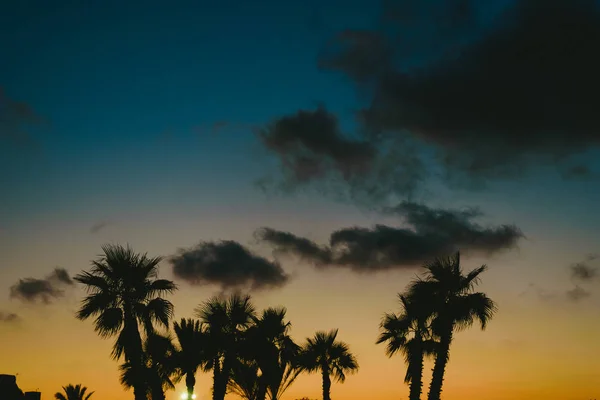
x=332, y=358
x=71, y=392
x=124, y=292
x=454, y=306
x=191, y=353
x=157, y=370
x=409, y=334
x=224, y=321
x=247, y=380
x=268, y=352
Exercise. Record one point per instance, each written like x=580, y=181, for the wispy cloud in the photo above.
x=7, y=317
x=15, y=119
x=97, y=227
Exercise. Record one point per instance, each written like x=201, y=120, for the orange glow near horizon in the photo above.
x=504, y=362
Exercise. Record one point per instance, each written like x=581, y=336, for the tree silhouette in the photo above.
x=268, y=352
x=157, y=370
x=409, y=334
x=246, y=379
x=453, y=306
x=71, y=392
x=224, y=321
x=124, y=292
x=191, y=354
x=332, y=358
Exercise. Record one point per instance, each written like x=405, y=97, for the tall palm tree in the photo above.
x=191, y=353
x=454, y=306
x=158, y=367
x=332, y=358
x=124, y=293
x=269, y=350
x=71, y=392
x=224, y=320
x=408, y=333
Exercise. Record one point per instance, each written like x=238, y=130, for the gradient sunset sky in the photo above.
x=165, y=125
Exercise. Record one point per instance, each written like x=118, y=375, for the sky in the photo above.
x=314, y=154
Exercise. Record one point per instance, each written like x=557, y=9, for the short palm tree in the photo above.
x=76, y=392
x=408, y=333
x=158, y=367
x=191, y=354
x=323, y=353
x=454, y=305
x=268, y=350
x=124, y=293
x=224, y=320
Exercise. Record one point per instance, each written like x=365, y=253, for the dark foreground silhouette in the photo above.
x=252, y=353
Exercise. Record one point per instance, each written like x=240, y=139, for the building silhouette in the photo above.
x=9, y=390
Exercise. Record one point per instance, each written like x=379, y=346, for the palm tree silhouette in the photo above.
x=124, y=292
x=224, y=321
x=158, y=367
x=246, y=379
x=268, y=345
x=332, y=358
x=409, y=334
x=71, y=392
x=191, y=354
x=453, y=305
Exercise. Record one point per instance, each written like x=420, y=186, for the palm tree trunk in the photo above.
x=262, y=388
x=157, y=392
x=439, y=368
x=416, y=382
x=134, y=352
x=223, y=380
x=326, y=385
x=216, y=378
x=190, y=382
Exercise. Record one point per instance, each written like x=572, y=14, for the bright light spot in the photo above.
x=184, y=396
x=193, y=396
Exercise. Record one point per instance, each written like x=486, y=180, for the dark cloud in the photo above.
x=577, y=294
x=310, y=144
x=15, y=118
x=491, y=101
x=229, y=265
x=484, y=92
x=98, y=227
x=46, y=290
x=8, y=317
x=312, y=150
x=429, y=233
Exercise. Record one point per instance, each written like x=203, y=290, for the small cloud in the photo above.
x=229, y=265
x=583, y=272
x=8, y=317
x=98, y=227
x=46, y=290
x=15, y=117
x=577, y=293
x=430, y=233
x=539, y=292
